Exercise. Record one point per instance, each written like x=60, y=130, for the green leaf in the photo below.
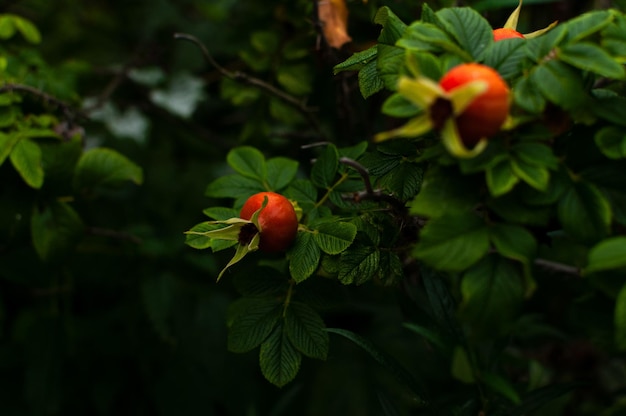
x=560, y=84
x=233, y=186
x=540, y=47
x=254, y=324
x=393, y=27
x=535, y=154
x=27, y=29
x=325, y=167
x=248, y=161
x=620, y=319
x=296, y=79
x=387, y=361
x=280, y=172
x=501, y=179
x=303, y=192
x=607, y=255
x=501, y=385
x=279, y=359
x=492, y=293
x=306, y=330
x=527, y=96
x=611, y=141
x=7, y=142
x=427, y=37
x=442, y=303
x=404, y=180
x=587, y=24
x=589, y=57
x=584, y=212
x=55, y=230
x=389, y=64
x=400, y=107
x=220, y=213
x=334, y=237
x=370, y=81
x=610, y=108
x=468, y=27
x=105, y=167
x=536, y=176
x=357, y=61
x=461, y=367
x=506, y=57
x=26, y=158
x=7, y=26
x=304, y=257
x=452, y=243
x=514, y=242
x=359, y=265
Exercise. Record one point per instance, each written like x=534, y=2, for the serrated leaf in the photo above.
x=452, y=243
x=264, y=282
x=357, y=61
x=404, y=180
x=589, y=57
x=105, y=167
x=304, y=257
x=254, y=324
x=55, y=230
x=468, y=27
x=587, y=24
x=584, y=212
x=393, y=27
x=303, y=192
x=607, y=255
x=527, y=96
x=370, y=81
x=279, y=359
x=506, y=57
x=306, y=330
x=220, y=213
x=334, y=237
x=391, y=60
x=26, y=158
x=280, y=172
x=359, y=265
x=248, y=161
x=325, y=167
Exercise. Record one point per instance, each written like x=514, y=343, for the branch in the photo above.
x=255, y=82
x=557, y=267
x=370, y=192
x=69, y=112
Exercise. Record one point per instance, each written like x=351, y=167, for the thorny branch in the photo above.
x=70, y=112
x=245, y=78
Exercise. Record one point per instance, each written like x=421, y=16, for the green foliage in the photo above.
x=421, y=281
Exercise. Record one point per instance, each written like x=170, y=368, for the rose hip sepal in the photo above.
x=248, y=229
x=509, y=30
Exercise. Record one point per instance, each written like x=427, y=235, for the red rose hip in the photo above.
x=278, y=221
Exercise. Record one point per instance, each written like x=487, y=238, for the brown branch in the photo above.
x=70, y=112
x=245, y=78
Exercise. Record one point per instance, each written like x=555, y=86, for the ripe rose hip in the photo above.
x=278, y=222
x=506, y=33
x=487, y=112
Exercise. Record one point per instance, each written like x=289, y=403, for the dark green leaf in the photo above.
x=560, y=84
x=404, y=180
x=584, y=212
x=55, y=230
x=506, y=57
x=325, y=168
x=501, y=179
x=248, y=161
x=254, y=323
x=608, y=254
x=280, y=172
x=303, y=192
x=527, y=96
x=620, y=319
x=26, y=157
x=452, y=243
x=279, y=359
x=334, y=237
x=589, y=57
x=393, y=27
x=612, y=142
x=233, y=186
x=587, y=24
x=105, y=167
x=7, y=142
x=370, y=81
x=306, y=330
x=388, y=362
x=358, y=265
x=469, y=28
x=493, y=291
x=304, y=257
x=357, y=61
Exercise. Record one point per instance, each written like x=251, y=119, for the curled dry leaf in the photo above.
x=333, y=15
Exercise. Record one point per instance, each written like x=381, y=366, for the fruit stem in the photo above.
x=341, y=180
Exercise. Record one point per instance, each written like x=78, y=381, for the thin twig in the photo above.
x=370, y=192
x=557, y=267
x=70, y=112
x=255, y=82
